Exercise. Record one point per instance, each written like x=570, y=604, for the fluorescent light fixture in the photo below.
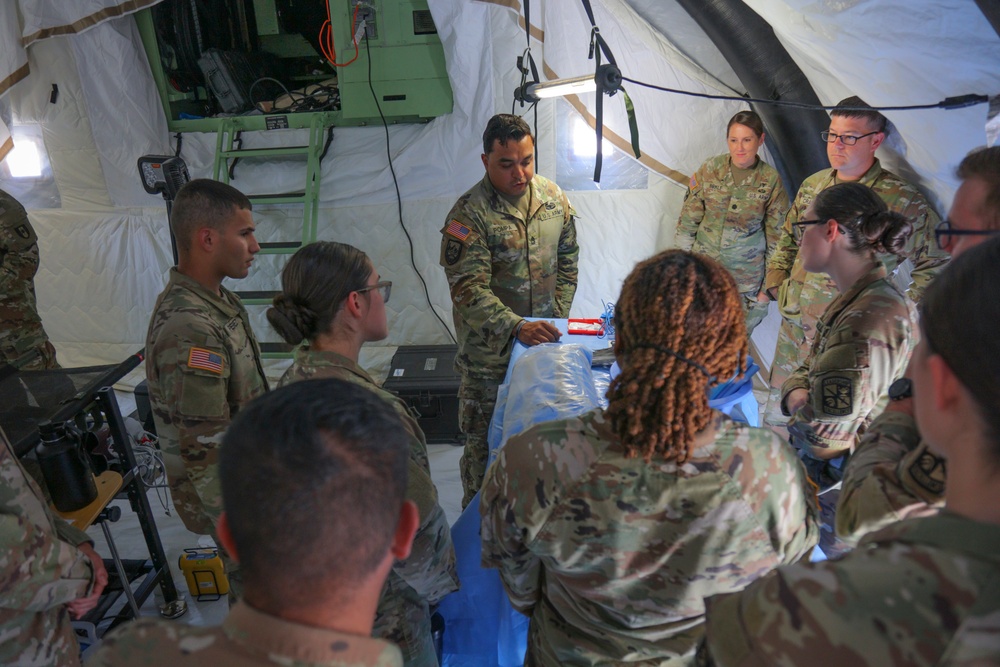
x=561, y=87
x=609, y=76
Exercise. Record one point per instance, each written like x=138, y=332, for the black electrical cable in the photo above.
x=399, y=197
x=956, y=102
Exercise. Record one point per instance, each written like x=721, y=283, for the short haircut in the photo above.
x=314, y=285
x=984, y=164
x=503, y=127
x=749, y=119
x=959, y=315
x=204, y=203
x=313, y=478
x=855, y=107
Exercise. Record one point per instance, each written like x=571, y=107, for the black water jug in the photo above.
x=65, y=467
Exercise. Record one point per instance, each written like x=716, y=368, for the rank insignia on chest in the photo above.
x=458, y=230
x=838, y=396
x=452, y=251
x=205, y=360
x=23, y=231
x=232, y=324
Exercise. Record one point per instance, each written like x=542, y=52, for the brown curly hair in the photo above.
x=679, y=326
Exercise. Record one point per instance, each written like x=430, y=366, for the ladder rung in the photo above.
x=266, y=152
x=279, y=198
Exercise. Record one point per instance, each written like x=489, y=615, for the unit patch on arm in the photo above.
x=838, y=396
x=457, y=233
x=205, y=360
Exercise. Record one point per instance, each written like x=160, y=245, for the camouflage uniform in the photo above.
x=920, y=593
x=863, y=343
x=21, y=329
x=496, y=280
x=247, y=637
x=611, y=557
x=803, y=296
x=429, y=573
x=202, y=365
x=41, y=569
x=893, y=475
x=735, y=223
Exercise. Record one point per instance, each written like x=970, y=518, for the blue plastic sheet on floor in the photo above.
x=481, y=628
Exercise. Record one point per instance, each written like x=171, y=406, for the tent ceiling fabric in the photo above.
x=105, y=253
x=51, y=18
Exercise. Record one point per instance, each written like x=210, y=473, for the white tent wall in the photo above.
x=105, y=253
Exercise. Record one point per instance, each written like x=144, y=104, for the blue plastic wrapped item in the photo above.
x=548, y=382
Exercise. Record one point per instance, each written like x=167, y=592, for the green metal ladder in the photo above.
x=227, y=151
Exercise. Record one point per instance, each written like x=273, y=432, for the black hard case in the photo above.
x=425, y=377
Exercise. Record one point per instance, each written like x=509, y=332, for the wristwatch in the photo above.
x=900, y=389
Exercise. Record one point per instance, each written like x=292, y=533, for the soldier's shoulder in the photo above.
x=180, y=312
x=715, y=167
x=547, y=188
x=814, y=181
x=768, y=172
x=889, y=185
x=758, y=451
x=153, y=641
x=581, y=438
x=881, y=307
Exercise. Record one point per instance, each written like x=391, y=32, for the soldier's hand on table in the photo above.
x=796, y=399
x=535, y=333
x=81, y=606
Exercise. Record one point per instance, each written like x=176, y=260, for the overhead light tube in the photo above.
x=609, y=75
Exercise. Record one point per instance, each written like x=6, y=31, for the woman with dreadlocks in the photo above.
x=610, y=528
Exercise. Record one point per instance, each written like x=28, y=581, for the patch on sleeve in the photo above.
x=205, y=360
x=694, y=181
x=838, y=396
x=452, y=251
x=929, y=472
x=23, y=231
x=458, y=230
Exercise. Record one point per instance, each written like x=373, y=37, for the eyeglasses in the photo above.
x=384, y=287
x=847, y=139
x=944, y=231
x=799, y=228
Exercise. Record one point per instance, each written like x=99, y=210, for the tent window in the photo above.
x=26, y=172
x=576, y=148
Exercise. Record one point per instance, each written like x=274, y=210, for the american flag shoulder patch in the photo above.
x=458, y=230
x=205, y=360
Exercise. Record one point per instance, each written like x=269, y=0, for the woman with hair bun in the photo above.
x=733, y=211
x=332, y=302
x=864, y=338
x=609, y=528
